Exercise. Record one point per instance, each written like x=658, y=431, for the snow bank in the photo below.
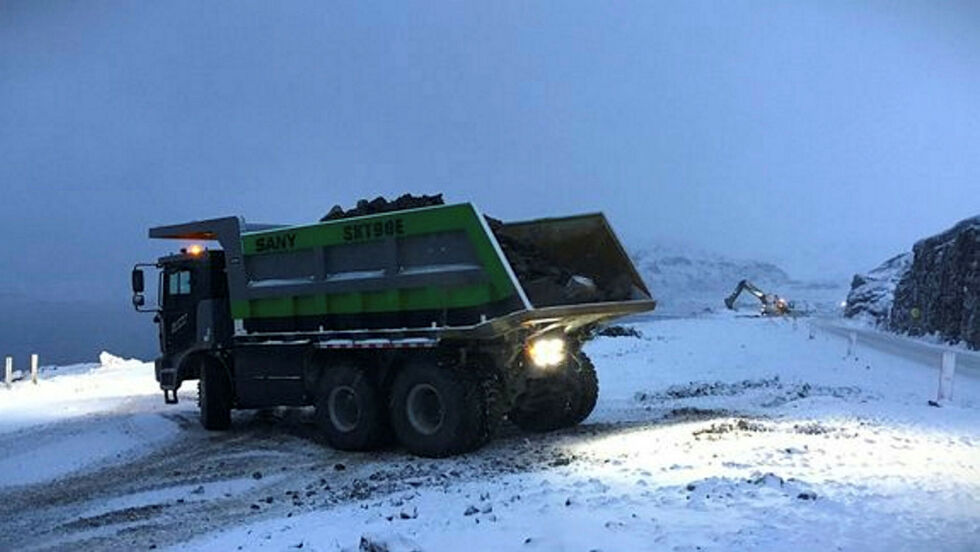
x=75, y=390
x=76, y=416
x=109, y=360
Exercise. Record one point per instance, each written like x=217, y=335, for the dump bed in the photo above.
x=440, y=267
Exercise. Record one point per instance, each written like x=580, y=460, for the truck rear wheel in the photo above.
x=438, y=411
x=214, y=395
x=350, y=409
x=559, y=400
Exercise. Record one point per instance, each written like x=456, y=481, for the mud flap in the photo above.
x=170, y=396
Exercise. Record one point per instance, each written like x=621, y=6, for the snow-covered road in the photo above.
x=716, y=433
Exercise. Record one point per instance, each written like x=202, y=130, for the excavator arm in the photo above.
x=749, y=287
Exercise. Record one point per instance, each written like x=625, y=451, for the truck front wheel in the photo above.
x=214, y=395
x=558, y=400
x=586, y=389
x=438, y=411
x=350, y=409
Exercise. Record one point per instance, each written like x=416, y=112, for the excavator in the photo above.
x=772, y=305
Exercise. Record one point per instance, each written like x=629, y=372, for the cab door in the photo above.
x=179, y=314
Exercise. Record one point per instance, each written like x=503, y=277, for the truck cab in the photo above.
x=193, y=313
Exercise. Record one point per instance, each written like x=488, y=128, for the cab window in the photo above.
x=179, y=283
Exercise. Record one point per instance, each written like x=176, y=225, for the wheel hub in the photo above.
x=424, y=408
x=342, y=406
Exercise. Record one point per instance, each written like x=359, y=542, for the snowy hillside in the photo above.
x=689, y=281
x=717, y=433
x=872, y=294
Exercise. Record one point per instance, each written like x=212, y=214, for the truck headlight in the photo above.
x=547, y=351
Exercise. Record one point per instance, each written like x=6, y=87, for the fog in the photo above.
x=822, y=137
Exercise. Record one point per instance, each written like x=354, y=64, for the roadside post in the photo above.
x=8, y=373
x=852, y=339
x=34, y=368
x=947, y=369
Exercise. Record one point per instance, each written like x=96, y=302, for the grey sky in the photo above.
x=823, y=136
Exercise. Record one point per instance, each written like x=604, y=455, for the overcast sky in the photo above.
x=824, y=136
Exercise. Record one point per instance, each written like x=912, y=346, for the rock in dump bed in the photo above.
x=545, y=281
x=382, y=205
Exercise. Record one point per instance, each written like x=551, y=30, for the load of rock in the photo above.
x=545, y=281
x=872, y=294
x=381, y=205
x=940, y=293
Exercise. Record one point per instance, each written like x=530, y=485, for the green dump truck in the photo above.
x=415, y=325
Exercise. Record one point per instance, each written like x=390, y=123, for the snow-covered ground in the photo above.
x=77, y=416
x=715, y=433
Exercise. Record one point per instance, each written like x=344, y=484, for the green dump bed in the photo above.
x=436, y=267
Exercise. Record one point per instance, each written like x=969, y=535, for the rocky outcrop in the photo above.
x=872, y=294
x=940, y=293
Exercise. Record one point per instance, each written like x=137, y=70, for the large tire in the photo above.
x=559, y=400
x=587, y=390
x=214, y=396
x=350, y=409
x=439, y=411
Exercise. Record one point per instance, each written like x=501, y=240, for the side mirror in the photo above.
x=138, y=284
x=138, y=300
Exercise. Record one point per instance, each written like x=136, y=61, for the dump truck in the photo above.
x=410, y=326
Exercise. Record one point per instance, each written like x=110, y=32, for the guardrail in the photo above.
x=8, y=371
x=946, y=358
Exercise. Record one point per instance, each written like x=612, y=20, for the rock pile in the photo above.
x=620, y=331
x=382, y=205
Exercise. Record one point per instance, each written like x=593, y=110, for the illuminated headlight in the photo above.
x=547, y=351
